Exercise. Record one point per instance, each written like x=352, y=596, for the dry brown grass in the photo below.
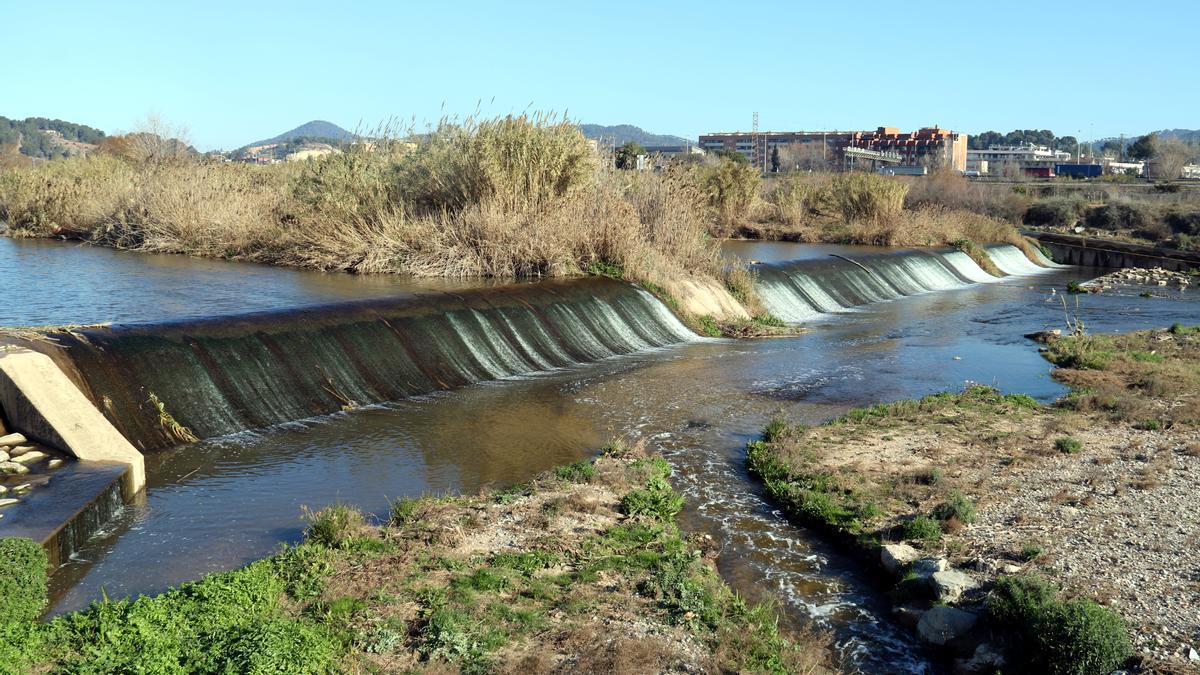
x=505, y=197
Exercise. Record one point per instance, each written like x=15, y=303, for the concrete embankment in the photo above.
x=1092, y=252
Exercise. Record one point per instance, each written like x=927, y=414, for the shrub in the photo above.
x=405, y=511
x=579, y=472
x=956, y=506
x=278, y=646
x=656, y=500
x=922, y=528
x=333, y=526
x=731, y=187
x=22, y=580
x=1053, y=213
x=1183, y=222
x=866, y=196
x=1118, y=216
x=1067, y=445
x=1077, y=637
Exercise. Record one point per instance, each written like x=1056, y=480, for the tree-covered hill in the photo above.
x=46, y=138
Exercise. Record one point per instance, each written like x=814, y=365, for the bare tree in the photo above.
x=803, y=157
x=153, y=141
x=1170, y=156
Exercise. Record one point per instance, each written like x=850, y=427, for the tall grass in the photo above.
x=505, y=197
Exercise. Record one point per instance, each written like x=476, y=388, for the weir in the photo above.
x=804, y=289
x=162, y=384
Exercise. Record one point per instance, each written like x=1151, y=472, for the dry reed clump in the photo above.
x=866, y=197
x=797, y=200
x=70, y=197
x=949, y=189
x=731, y=187
x=505, y=197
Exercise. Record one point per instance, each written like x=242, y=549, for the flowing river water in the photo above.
x=223, y=502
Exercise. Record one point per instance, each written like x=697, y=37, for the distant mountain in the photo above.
x=1186, y=135
x=46, y=138
x=623, y=133
x=314, y=130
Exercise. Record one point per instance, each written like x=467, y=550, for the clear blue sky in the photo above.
x=234, y=72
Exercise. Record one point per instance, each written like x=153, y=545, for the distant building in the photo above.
x=1027, y=159
x=931, y=147
x=1132, y=168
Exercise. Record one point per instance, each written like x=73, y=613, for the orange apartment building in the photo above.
x=929, y=146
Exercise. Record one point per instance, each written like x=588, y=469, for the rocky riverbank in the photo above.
x=24, y=467
x=582, y=570
x=1078, y=514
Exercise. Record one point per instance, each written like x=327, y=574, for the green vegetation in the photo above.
x=1073, y=637
x=23, y=583
x=1067, y=445
x=957, y=507
x=922, y=528
x=42, y=138
x=432, y=590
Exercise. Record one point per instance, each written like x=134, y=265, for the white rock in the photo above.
x=30, y=457
x=10, y=468
x=1011, y=569
x=54, y=464
x=926, y=567
x=949, y=585
x=942, y=624
x=23, y=487
x=12, y=439
x=17, y=451
x=8, y=502
x=896, y=557
x=3, y=489
x=3, y=456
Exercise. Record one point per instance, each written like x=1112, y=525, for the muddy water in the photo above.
x=223, y=503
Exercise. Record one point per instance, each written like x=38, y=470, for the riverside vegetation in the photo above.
x=509, y=197
x=535, y=578
x=1065, y=522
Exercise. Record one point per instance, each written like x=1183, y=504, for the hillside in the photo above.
x=314, y=130
x=623, y=133
x=44, y=138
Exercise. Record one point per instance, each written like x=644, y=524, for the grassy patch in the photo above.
x=1062, y=637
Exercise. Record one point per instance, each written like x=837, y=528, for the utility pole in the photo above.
x=754, y=140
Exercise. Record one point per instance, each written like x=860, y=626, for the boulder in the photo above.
x=18, y=450
x=942, y=624
x=12, y=439
x=949, y=585
x=3, y=456
x=1044, y=336
x=908, y=617
x=986, y=659
x=10, y=468
x=31, y=457
x=927, y=567
x=895, y=557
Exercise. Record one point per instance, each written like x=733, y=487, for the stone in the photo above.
x=3, y=489
x=23, y=487
x=895, y=557
x=19, y=450
x=3, y=456
x=949, y=585
x=54, y=464
x=31, y=457
x=908, y=617
x=942, y=624
x=986, y=659
x=1011, y=569
x=927, y=567
x=9, y=502
x=12, y=439
x=10, y=468
x=1044, y=336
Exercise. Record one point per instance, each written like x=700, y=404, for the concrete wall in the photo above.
x=1089, y=252
x=40, y=402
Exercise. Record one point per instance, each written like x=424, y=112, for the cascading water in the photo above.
x=1011, y=260
x=800, y=290
x=221, y=376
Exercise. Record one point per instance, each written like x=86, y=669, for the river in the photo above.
x=223, y=502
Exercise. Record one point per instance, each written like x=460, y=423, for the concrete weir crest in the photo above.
x=41, y=402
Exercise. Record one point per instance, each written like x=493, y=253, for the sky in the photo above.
x=236, y=72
